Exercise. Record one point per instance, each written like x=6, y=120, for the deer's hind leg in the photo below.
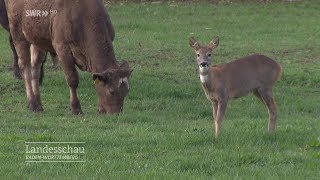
x=266, y=96
x=222, y=105
x=214, y=109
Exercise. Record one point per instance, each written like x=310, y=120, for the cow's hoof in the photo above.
x=35, y=107
x=101, y=111
x=17, y=74
x=76, y=111
x=76, y=108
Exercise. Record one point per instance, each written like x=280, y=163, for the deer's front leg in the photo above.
x=214, y=109
x=222, y=105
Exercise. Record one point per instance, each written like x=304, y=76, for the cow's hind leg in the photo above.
x=266, y=96
x=54, y=58
x=23, y=51
x=37, y=58
x=16, y=69
x=67, y=62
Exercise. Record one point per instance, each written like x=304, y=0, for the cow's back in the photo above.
x=71, y=22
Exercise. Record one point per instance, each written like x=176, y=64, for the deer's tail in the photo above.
x=278, y=72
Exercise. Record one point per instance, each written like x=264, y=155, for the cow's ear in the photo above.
x=97, y=77
x=107, y=76
x=125, y=70
x=124, y=64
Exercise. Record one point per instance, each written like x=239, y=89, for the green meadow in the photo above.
x=166, y=130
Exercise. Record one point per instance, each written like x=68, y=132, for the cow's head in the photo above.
x=112, y=86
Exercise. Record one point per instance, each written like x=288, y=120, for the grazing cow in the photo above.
x=81, y=34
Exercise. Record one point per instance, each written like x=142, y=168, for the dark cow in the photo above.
x=5, y=24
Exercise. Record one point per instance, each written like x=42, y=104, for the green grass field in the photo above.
x=166, y=130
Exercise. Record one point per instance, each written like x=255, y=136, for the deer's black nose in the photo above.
x=204, y=64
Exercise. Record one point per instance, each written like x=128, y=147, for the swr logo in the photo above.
x=36, y=13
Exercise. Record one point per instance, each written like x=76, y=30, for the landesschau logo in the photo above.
x=54, y=152
x=55, y=149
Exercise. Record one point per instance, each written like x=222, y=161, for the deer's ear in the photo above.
x=194, y=43
x=214, y=43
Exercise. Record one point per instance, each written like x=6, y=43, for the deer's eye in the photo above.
x=198, y=55
x=209, y=55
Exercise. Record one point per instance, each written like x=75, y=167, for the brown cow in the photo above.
x=81, y=34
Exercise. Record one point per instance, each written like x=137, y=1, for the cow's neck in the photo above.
x=100, y=64
x=101, y=57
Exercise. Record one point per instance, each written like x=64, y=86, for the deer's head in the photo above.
x=204, y=53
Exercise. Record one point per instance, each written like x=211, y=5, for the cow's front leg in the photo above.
x=72, y=78
x=71, y=74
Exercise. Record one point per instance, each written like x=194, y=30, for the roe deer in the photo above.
x=221, y=82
